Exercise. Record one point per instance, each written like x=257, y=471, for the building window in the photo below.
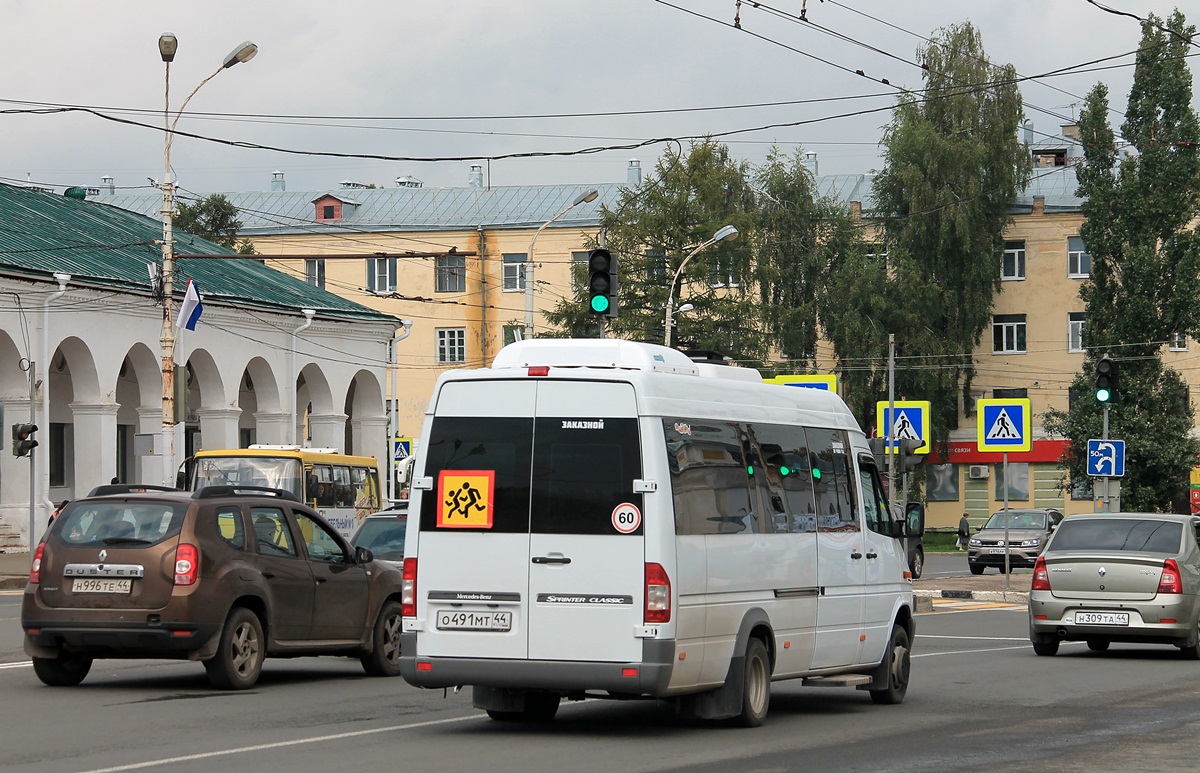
x=451, y=274
x=513, y=333
x=1075, y=331
x=514, y=271
x=451, y=345
x=1008, y=333
x=875, y=251
x=941, y=482
x=328, y=212
x=1178, y=343
x=579, y=269
x=57, y=454
x=1079, y=260
x=1014, y=477
x=1014, y=261
x=314, y=272
x=381, y=275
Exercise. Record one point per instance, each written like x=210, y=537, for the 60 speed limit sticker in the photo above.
x=626, y=518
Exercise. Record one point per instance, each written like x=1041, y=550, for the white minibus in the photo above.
x=608, y=519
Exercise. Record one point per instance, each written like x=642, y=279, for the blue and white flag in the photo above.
x=191, y=308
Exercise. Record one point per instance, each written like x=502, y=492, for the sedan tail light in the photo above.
x=187, y=564
x=408, y=589
x=35, y=569
x=1041, y=577
x=1170, y=582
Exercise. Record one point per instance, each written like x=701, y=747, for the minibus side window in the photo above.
x=583, y=469
x=832, y=480
x=786, y=480
x=502, y=446
x=709, y=480
x=875, y=503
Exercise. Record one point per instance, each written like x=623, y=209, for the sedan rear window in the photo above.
x=119, y=523
x=1149, y=536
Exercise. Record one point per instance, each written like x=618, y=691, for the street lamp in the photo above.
x=589, y=195
x=728, y=232
x=168, y=44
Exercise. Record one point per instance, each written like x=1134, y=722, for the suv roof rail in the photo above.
x=227, y=491
x=127, y=488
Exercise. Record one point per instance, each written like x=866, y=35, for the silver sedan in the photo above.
x=1118, y=577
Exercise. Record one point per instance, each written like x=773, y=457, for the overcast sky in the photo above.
x=386, y=78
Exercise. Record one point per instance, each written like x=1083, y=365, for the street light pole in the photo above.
x=589, y=195
x=168, y=44
x=727, y=232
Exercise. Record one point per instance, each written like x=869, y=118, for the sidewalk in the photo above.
x=989, y=586
x=14, y=569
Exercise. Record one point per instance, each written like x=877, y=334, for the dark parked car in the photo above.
x=225, y=575
x=383, y=534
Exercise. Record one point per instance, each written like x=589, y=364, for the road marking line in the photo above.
x=5, y=666
x=973, y=638
x=279, y=745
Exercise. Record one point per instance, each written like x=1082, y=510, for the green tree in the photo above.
x=654, y=227
x=215, y=218
x=952, y=167
x=797, y=238
x=1144, y=287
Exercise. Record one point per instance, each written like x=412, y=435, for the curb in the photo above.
x=1016, y=597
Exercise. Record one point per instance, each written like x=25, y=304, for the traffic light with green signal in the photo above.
x=1107, y=381
x=602, y=282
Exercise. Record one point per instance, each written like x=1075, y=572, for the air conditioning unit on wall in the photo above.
x=978, y=472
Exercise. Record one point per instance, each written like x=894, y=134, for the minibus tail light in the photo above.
x=408, y=589
x=1041, y=576
x=539, y=370
x=658, y=595
x=1170, y=582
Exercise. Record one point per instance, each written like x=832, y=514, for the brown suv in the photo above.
x=226, y=575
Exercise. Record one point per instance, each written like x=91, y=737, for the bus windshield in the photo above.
x=272, y=472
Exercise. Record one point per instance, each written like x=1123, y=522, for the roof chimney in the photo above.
x=475, y=178
x=810, y=162
x=633, y=175
x=408, y=182
x=277, y=182
x=106, y=182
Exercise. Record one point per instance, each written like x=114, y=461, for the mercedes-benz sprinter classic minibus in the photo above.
x=602, y=518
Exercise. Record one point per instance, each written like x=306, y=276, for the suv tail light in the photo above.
x=1041, y=577
x=1170, y=582
x=187, y=564
x=35, y=568
x=658, y=595
x=408, y=589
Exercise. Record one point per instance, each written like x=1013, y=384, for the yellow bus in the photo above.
x=343, y=489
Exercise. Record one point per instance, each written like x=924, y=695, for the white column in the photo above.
x=272, y=427
x=95, y=440
x=328, y=430
x=219, y=427
x=369, y=434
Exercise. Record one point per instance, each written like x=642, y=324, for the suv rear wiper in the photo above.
x=125, y=541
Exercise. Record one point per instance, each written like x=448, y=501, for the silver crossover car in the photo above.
x=1118, y=577
x=1028, y=531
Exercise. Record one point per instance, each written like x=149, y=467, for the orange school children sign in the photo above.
x=465, y=499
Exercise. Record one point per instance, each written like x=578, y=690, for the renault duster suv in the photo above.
x=226, y=576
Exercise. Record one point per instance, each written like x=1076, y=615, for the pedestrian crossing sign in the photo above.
x=1004, y=424
x=910, y=422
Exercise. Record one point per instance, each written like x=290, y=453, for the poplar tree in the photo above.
x=952, y=167
x=1141, y=200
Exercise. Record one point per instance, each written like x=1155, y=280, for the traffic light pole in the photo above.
x=1104, y=436
x=33, y=453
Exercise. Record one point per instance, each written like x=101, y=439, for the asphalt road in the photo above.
x=979, y=700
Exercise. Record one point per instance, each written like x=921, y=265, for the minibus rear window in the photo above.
x=583, y=470
x=501, y=447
